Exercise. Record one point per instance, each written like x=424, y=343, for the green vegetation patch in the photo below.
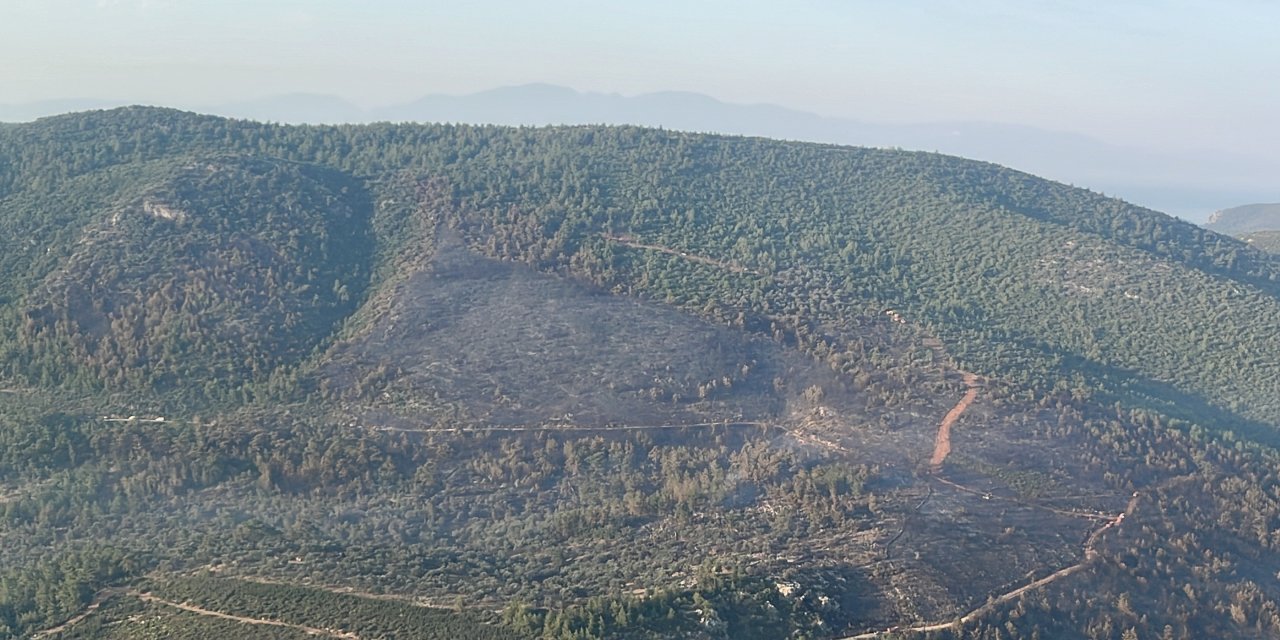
x=1026, y=483
x=126, y=617
x=366, y=617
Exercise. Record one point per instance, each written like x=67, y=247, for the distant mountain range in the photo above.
x=1187, y=185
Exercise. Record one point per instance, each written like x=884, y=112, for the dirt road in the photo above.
x=1090, y=554
x=728, y=266
x=942, y=442
x=570, y=427
x=1070, y=513
x=315, y=631
x=93, y=606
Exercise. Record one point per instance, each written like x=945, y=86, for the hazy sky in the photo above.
x=1156, y=74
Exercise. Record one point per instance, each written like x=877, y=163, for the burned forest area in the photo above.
x=446, y=381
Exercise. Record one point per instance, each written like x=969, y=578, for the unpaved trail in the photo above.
x=812, y=439
x=941, y=449
x=571, y=427
x=728, y=266
x=1090, y=554
x=80, y=617
x=1071, y=513
x=69, y=623
x=314, y=631
x=440, y=603
x=942, y=442
x=888, y=546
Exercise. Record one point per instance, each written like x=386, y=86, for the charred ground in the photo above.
x=610, y=382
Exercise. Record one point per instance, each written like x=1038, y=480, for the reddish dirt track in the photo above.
x=942, y=443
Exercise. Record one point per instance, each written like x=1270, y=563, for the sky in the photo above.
x=1175, y=75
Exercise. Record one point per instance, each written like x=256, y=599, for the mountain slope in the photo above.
x=219, y=270
x=618, y=382
x=1033, y=277
x=1244, y=219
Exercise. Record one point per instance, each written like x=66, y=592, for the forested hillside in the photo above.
x=615, y=382
x=1031, y=273
x=214, y=273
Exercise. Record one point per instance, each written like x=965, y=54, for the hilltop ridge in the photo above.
x=1054, y=275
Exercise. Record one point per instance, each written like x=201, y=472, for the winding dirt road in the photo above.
x=314, y=631
x=1090, y=554
x=941, y=449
